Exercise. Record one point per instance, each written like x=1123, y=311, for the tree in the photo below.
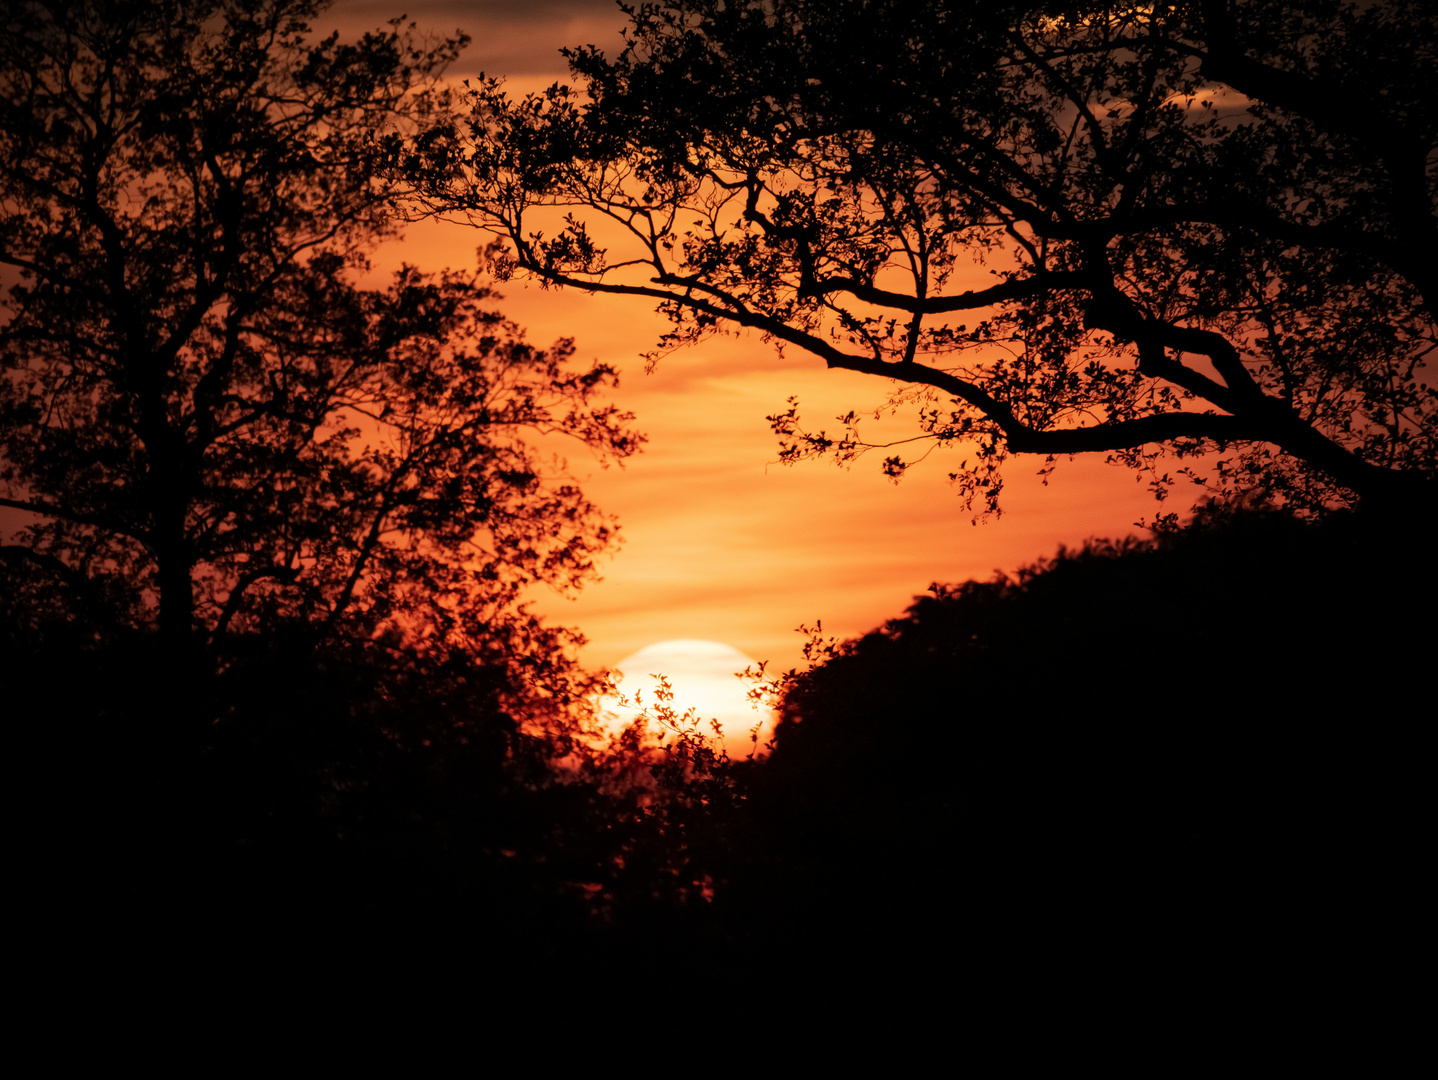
x=1009, y=768
x=1201, y=228
x=210, y=426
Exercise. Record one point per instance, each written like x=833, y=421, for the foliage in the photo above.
x=1179, y=752
x=268, y=521
x=212, y=425
x=1192, y=229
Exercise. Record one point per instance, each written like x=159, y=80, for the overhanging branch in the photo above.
x=46, y=509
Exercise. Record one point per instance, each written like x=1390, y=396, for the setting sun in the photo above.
x=703, y=676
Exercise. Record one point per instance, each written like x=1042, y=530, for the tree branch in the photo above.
x=1018, y=289
x=46, y=509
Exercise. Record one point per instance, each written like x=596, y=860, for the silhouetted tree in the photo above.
x=1133, y=230
x=267, y=524
x=206, y=415
x=1179, y=757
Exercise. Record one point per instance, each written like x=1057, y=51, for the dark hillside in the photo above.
x=1213, y=742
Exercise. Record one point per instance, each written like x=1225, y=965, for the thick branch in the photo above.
x=1251, y=416
x=58, y=567
x=1025, y=439
x=1005, y=292
x=47, y=509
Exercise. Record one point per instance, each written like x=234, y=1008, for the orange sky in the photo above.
x=721, y=542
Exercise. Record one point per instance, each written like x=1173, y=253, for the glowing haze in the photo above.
x=721, y=544
x=703, y=676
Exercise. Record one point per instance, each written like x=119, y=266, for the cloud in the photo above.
x=510, y=40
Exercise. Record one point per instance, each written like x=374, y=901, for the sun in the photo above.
x=702, y=675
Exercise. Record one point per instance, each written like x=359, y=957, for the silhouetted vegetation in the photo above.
x=1196, y=743
x=275, y=697
x=1178, y=754
x=1146, y=231
x=267, y=527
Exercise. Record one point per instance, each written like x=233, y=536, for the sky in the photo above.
x=721, y=542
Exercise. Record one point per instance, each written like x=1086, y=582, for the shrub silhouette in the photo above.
x=1203, y=742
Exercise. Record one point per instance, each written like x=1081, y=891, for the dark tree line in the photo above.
x=1193, y=765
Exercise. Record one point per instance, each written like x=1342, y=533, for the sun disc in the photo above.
x=702, y=675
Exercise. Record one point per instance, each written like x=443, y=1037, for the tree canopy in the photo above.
x=213, y=424
x=266, y=515
x=1200, y=229
x=1168, y=748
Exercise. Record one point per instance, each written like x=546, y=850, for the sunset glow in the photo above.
x=714, y=532
x=703, y=677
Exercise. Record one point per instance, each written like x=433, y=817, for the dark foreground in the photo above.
x=1193, y=764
